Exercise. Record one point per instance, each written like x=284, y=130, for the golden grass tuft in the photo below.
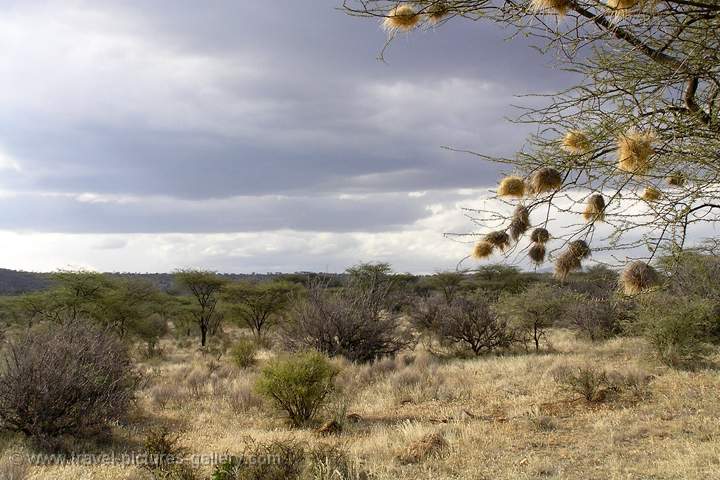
x=437, y=12
x=483, y=249
x=546, y=179
x=651, y=194
x=498, y=239
x=634, y=151
x=520, y=222
x=595, y=208
x=540, y=235
x=579, y=248
x=576, y=142
x=560, y=7
x=430, y=445
x=567, y=262
x=676, y=179
x=401, y=18
x=511, y=187
x=537, y=253
x=638, y=277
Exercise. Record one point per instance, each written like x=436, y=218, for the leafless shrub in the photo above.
x=242, y=398
x=65, y=380
x=473, y=322
x=356, y=323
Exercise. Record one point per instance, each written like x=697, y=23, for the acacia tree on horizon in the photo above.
x=635, y=143
x=205, y=286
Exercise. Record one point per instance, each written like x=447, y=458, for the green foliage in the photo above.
x=150, y=330
x=243, y=353
x=257, y=305
x=299, y=384
x=678, y=328
x=533, y=311
x=205, y=287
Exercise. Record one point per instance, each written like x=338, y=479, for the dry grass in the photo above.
x=492, y=417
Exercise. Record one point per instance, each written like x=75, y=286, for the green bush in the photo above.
x=299, y=384
x=678, y=328
x=243, y=353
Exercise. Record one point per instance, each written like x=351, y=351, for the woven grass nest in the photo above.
x=520, y=222
x=512, y=187
x=576, y=142
x=546, y=179
x=571, y=259
x=638, y=277
x=482, y=250
x=594, y=208
x=540, y=235
x=401, y=18
x=634, y=151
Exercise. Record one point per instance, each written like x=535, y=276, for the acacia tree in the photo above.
x=256, y=305
x=635, y=143
x=205, y=287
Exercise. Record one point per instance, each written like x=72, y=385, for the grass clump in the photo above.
x=299, y=385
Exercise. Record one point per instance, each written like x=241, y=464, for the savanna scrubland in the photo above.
x=373, y=374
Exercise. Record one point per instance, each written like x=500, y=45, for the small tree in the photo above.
x=205, y=287
x=257, y=305
x=473, y=321
x=65, y=380
x=533, y=311
x=449, y=284
x=298, y=385
x=150, y=329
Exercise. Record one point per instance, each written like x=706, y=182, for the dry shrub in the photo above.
x=595, y=208
x=161, y=395
x=546, y=179
x=676, y=179
x=537, y=253
x=520, y=222
x=431, y=445
x=651, y=194
x=65, y=380
x=196, y=383
x=437, y=11
x=576, y=142
x=327, y=462
x=631, y=381
x=241, y=397
x=165, y=456
x=511, y=187
x=588, y=381
x=482, y=250
x=498, y=239
x=637, y=277
x=401, y=18
x=634, y=151
x=540, y=235
x=276, y=460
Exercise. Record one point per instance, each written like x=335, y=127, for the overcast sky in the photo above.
x=245, y=136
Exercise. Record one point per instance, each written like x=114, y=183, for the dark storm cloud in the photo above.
x=230, y=99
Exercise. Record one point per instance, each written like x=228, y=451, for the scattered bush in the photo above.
x=299, y=385
x=243, y=353
x=277, y=460
x=587, y=381
x=594, y=318
x=360, y=321
x=241, y=398
x=165, y=456
x=473, y=322
x=71, y=380
x=678, y=328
